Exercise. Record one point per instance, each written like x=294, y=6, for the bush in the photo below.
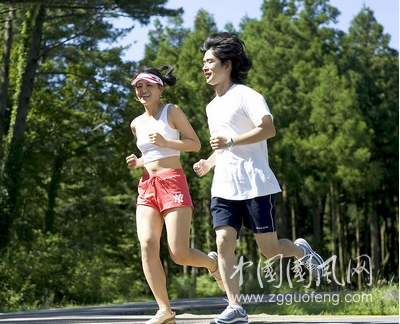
x=56, y=272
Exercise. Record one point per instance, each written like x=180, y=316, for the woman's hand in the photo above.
x=202, y=167
x=132, y=161
x=157, y=139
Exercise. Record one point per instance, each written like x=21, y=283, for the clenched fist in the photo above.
x=202, y=167
x=132, y=161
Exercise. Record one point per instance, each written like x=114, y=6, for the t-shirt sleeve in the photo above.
x=256, y=108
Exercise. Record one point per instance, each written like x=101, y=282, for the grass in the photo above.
x=382, y=300
x=375, y=301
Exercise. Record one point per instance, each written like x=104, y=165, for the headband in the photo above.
x=149, y=77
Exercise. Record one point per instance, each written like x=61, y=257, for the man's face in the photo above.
x=213, y=70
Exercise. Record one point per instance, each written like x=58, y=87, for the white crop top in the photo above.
x=152, y=152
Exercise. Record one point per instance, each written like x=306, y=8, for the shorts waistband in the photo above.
x=163, y=175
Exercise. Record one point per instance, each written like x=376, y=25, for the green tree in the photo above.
x=27, y=63
x=5, y=70
x=73, y=183
x=310, y=73
x=30, y=52
x=293, y=43
x=372, y=66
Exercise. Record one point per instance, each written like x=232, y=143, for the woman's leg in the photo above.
x=149, y=223
x=177, y=222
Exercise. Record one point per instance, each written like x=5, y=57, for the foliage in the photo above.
x=67, y=231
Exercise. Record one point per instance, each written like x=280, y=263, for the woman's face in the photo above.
x=148, y=92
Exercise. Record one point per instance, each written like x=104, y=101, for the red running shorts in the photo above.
x=164, y=190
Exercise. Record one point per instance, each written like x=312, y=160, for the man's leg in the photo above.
x=226, y=246
x=270, y=246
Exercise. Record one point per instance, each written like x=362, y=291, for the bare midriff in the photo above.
x=163, y=165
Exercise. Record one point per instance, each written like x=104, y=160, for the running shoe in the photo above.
x=231, y=315
x=216, y=274
x=311, y=259
x=162, y=316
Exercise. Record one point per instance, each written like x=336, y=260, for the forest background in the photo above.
x=67, y=198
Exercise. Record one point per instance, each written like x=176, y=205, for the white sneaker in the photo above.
x=216, y=274
x=231, y=315
x=311, y=259
x=162, y=317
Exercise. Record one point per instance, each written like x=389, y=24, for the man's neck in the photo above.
x=222, y=88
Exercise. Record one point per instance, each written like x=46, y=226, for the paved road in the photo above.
x=136, y=313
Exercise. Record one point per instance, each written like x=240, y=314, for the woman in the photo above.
x=164, y=196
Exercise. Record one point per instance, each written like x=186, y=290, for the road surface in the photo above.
x=136, y=313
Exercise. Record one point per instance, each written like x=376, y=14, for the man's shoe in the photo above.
x=162, y=317
x=231, y=315
x=216, y=274
x=311, y=259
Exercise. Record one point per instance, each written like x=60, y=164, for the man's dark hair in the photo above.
x=229, y=47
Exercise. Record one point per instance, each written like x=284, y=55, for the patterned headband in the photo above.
x=149, y=77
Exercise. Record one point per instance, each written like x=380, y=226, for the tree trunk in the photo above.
x=374, y=228
x=341, y=243
x=282, y=219
x=317, y=223
x=11, y=175
x=52, y=191
x=5, y=71
x=334, y=229
x=358, y=248
x=384, y=252
x=293, y=216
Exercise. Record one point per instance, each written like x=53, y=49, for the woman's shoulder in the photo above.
x=170, y=106
x=136, y=120
x=173, y=108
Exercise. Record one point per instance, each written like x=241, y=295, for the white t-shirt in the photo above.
x=242, y=172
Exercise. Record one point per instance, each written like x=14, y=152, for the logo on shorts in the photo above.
x=178, y=198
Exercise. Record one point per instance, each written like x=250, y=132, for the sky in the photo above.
x=386, y=13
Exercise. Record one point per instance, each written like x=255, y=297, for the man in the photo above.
x=243, y=186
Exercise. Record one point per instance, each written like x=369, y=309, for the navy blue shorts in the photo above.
x=256, y=214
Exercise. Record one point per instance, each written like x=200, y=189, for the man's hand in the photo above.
x=218, y=142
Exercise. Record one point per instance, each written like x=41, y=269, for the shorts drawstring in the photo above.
x=161, y=181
